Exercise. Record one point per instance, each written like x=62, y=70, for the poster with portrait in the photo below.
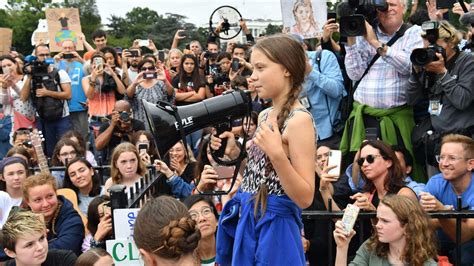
x=5, y=40
x=304, y=17
x=63, y=24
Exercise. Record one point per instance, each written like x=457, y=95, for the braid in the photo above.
x=262, y=193
x=179, y=237
x=56, y=214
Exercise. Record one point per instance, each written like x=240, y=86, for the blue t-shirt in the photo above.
x=75, y=71
x=443, y=191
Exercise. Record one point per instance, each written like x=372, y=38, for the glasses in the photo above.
x=43, y=55
x=370, y=159
x=65, y=154
x=205, y=212
x=449, y=158
x=147, y=68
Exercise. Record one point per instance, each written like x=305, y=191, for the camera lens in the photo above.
x=423, y=56
x=124, y=116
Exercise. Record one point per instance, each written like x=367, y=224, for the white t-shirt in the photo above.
x=6, y=204
x=64, y=78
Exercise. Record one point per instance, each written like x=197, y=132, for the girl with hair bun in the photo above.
x=278, y=180
x=165, y=234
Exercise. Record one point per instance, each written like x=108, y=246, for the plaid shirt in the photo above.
x=385, y=84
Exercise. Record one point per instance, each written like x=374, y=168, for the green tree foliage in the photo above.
x=22, y=16
x=273, y=29
x=144, y=23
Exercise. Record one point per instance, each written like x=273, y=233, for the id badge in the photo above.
x=305, y=102
x=435, y=107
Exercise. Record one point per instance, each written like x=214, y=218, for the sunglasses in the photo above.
x=370, y=159
x=147, y=68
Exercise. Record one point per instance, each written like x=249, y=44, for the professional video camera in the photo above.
x=424, y=56
x=37, y=69
x=354, y=13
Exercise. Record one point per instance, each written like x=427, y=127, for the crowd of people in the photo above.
x=404, y=129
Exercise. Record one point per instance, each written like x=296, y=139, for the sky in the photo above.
x=197, y=11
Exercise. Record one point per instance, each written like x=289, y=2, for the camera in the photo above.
x=354, y=13
x=124, y=116
x=68, y=56
x=424, y=56
x=211, y=55
x=38, y=69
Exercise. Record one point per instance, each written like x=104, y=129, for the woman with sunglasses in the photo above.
x=204, y=213
x=81, y=177
x=402, y=236
x=149, y=85
x=382, y=175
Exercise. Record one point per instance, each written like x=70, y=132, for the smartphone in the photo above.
x=224, y=172
x=99, y=63
x=442, y=4
x=13, y=48
x=173, y=69
x=161, y=56
x=350, y=216
x=143, y=43
x=371, y=133
x=188, y=47
x=182, y=34
x=6, y=70
x=133, y=53
x=118, y=50
x=106, y=207
x=334, y=158
x=235, y=64
x=332, y=15
x=68, y=56
x=142, y=148
x=153, y=75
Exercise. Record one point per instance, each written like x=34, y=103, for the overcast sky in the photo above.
x=197, y=11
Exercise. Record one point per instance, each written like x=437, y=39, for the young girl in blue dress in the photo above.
x=262, y=223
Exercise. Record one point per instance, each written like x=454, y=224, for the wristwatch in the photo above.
x=381, y=48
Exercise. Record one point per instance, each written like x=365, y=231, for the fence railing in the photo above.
x=363, y=216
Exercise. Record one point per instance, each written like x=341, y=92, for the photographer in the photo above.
x=442, y=89
x=71, y=62
x=49, y=92
x=119, y=129
x=380, y=97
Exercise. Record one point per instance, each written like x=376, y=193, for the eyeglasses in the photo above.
x=147, y=68
x=449, y=158
x=65, y=154
x=205, y=212
x=43, y=55
x=370, y=159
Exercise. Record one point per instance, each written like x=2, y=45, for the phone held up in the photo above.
x=332, y=15
x=335, y=157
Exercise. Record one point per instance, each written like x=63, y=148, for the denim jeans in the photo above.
x=53, y=131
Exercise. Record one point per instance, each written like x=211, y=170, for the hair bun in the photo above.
x=180, y=237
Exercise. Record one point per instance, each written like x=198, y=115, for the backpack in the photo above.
x=49, y=108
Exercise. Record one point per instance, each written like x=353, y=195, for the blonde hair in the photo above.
x=466, y=142
x=121, y=148
x=37, y=180
x=448, y=33
x=168, y=58
x=21, y=223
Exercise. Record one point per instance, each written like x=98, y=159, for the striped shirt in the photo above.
x=385, y=84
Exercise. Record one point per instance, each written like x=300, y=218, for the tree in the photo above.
x=273, y=29
x=90, y=18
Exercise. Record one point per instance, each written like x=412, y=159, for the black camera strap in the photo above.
x=397, y=36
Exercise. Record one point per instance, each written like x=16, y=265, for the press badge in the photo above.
x=305, y=102
x=435, y=107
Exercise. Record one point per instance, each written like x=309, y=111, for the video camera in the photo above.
x=354, y=13
x=37, y=69
x=209, y=54
x=424, y=56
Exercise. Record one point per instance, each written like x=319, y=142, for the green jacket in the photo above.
x=400, y=117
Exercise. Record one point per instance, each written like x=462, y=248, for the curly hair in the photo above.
x=163, y=227
x=420, y=241
x=395, y=178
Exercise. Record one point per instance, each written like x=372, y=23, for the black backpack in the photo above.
x=49, y=108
